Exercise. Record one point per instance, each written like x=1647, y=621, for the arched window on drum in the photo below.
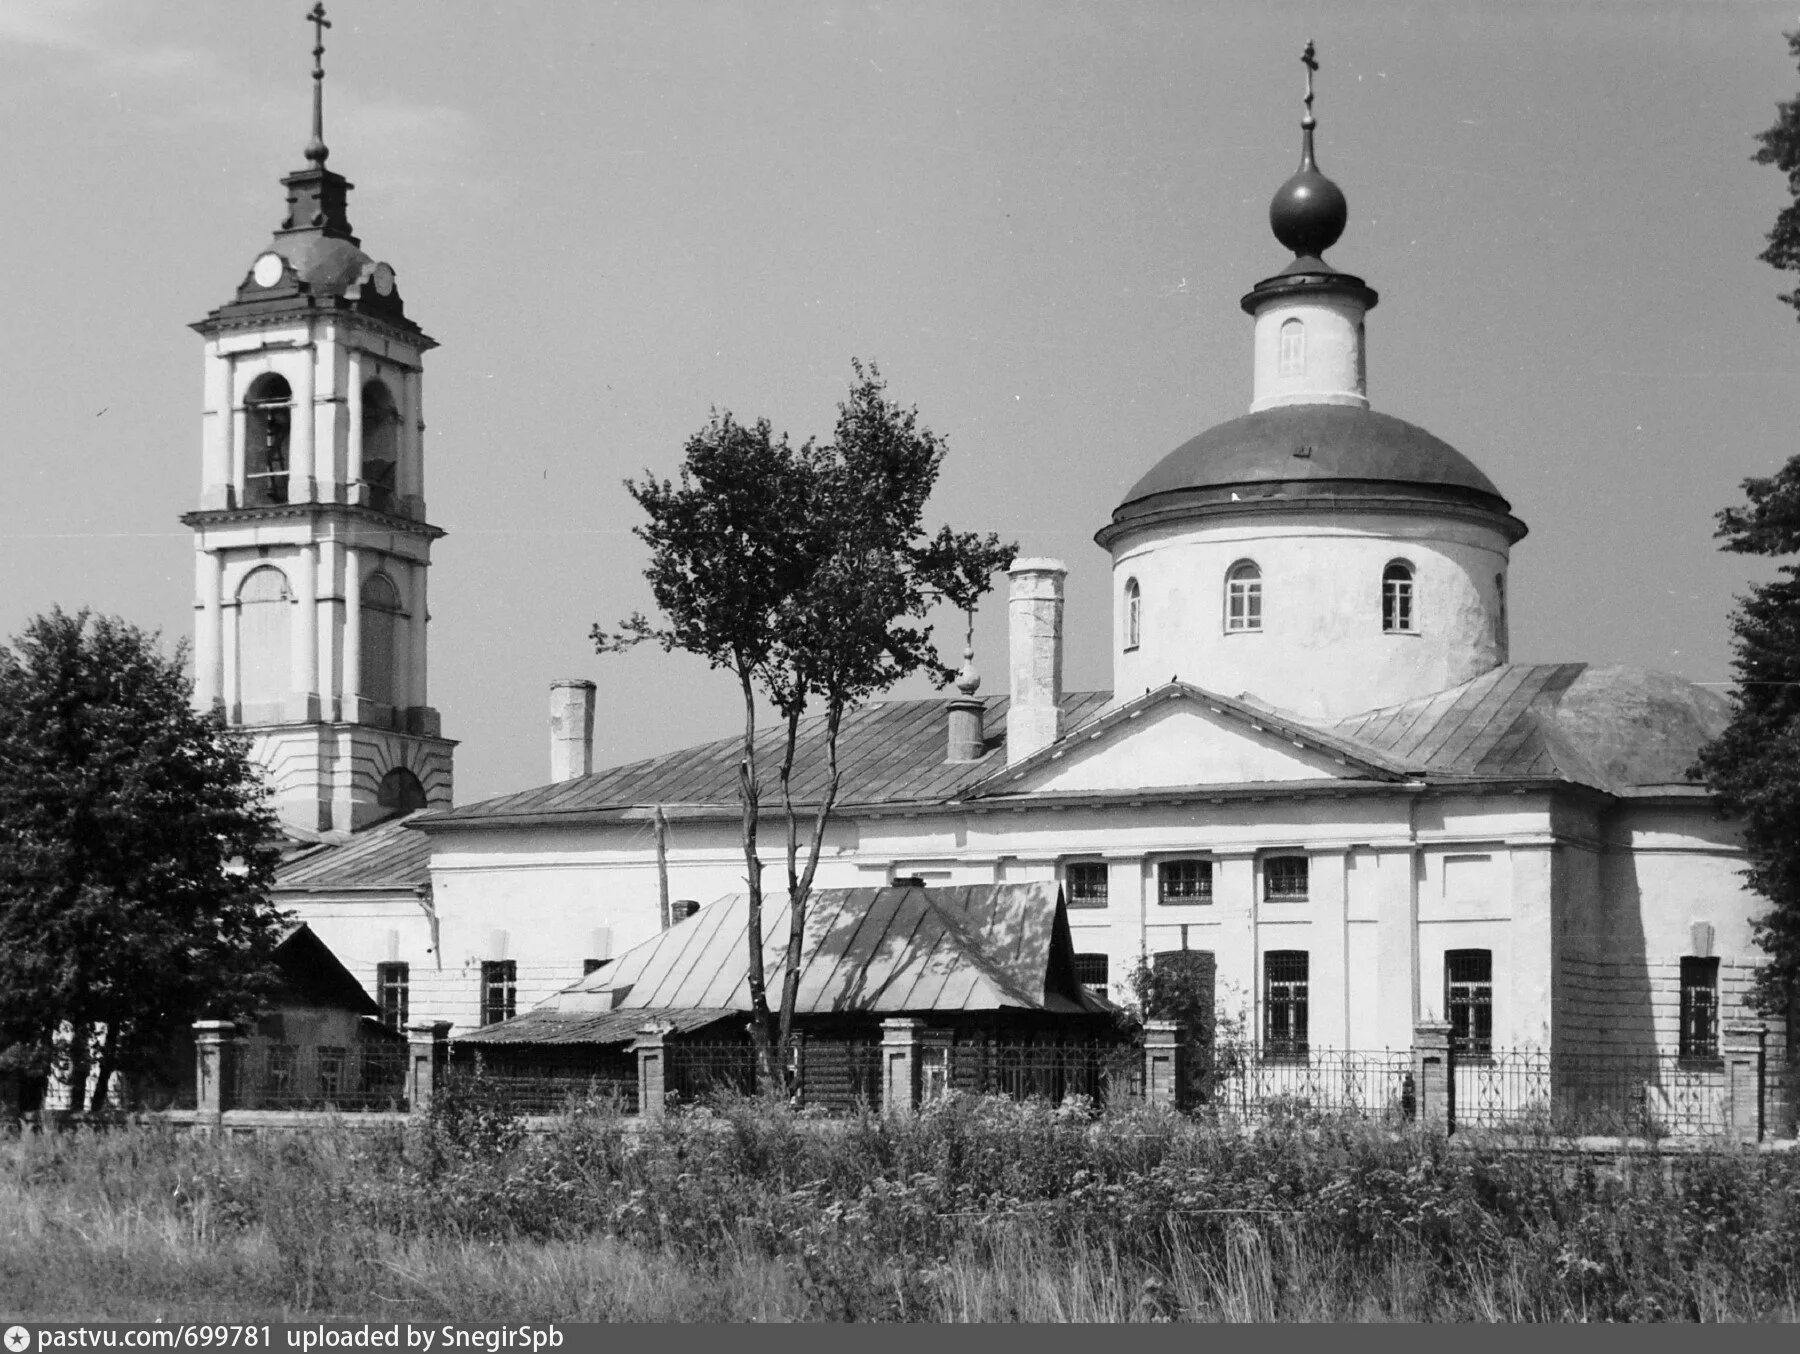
x=1399, y=609
x=1243, y=597
x=265, y=628
x=382, y=617
x=1134, y=613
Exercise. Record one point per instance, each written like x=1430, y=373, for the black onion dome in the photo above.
x=1308, y=212
x=1311, y=456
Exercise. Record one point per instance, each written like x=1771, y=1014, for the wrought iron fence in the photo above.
x=552, y=1091
x=839, y=1074
x=693, y=1071
x=318, y=1076
x=1251, y=1082
x=1104, y=1072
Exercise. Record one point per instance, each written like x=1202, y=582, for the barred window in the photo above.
x=499, y=990
x=1397, y=598
x=1181, y=882
x=1090, y=969
x=1243, y=596
x=1469, y=1001
x=1284, y=1004
x=1699, y=1008
x=392, y=987
x=1284, y=879
x=1084, y=883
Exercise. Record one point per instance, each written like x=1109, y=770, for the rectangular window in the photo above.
x=1090, y=969
x=1284, y=1005
x=1699, y=1008
x=392, y=982
x=499, y=990
x=1181, y=882
x=1284, y=879
x=1084, y=883
x=1469, y=1001
x=331, y=1071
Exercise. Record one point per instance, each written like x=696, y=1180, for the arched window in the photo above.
x=381, y=615
x=1362, y=358
x=1500, y=633
x=400, y=791
x=1292, y=358
x=1243, y=596
x=381, y=444
x=264, y=636
x=1397, y=598
x=268, y=422
x=1134, y=613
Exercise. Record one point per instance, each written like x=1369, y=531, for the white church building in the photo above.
x=1317, y=762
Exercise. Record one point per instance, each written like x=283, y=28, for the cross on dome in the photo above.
x=315, y=148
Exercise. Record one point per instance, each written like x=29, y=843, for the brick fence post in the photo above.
x=900, y=1064
x=1432, y=1090
x=427, y=1060
x=653, y=1071
x=212, y=1040
x=1162, y=1063
x=1742, y=1048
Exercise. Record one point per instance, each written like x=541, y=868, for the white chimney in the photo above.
x=1035, y=607
x=571, y=728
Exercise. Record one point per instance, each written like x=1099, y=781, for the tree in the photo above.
x=1754, y=765
x=805, y=572
x=135, y=854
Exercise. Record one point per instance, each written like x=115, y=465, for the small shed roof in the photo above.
x=312, y=975
x=545, y=1026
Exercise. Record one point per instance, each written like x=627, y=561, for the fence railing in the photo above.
x=314, y=1076
x=549, y=1091
x=1253, y=1082
x=1104, y=1072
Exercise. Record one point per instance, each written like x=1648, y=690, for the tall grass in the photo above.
x=972, y=1210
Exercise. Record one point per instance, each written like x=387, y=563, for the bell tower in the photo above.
x=311, y=540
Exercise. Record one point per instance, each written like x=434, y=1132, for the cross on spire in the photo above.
x=1311, y=62
x=315, y=149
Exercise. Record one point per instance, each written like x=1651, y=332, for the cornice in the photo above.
x=1323, y=497
x=309, y=512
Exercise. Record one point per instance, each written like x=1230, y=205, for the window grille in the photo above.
x=1134, y=603
x=1284, y=1004
x=499, y=990
x=1243, y=597
x=1090, y=969
x=1284, y=879
x=1184, y=881
x=1699, y=1008
x=1397, y=598
x=392, y=990
x=1469, y=1001
x=1084, y=883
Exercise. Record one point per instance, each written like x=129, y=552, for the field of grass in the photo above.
x=977, y=1210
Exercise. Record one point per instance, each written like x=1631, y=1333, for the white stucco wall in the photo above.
x=1321, y=650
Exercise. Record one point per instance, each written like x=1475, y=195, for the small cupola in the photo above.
x=1309, y=316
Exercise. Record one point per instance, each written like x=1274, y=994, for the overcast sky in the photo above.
x=1036, y=217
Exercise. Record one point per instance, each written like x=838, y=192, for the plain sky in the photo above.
x=1037, y=217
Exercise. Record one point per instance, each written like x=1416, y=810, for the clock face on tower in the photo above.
x=267, y=270
x=384, y=279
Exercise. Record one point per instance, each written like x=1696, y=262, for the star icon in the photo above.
x=18, y=1339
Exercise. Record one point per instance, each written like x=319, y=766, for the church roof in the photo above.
x=1296, y=454
x=1614, y=729
x=384, y=857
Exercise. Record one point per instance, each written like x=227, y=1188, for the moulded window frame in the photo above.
x=1134, y=614
x=1187, y=858
x=1411, y=597
x=1253, y=589
x=1068, y=884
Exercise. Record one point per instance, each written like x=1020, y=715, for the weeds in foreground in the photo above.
x=972, y=1210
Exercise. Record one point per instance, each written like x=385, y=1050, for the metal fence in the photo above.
x=1104, y=1072
x=1255, y=1082
x=317, y=1076
x=549, y=1091
x=694, y=1071
x=839, y=1074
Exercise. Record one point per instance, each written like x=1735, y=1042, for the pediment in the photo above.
x=1181, y=736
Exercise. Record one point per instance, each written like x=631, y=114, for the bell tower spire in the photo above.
x=312, y=542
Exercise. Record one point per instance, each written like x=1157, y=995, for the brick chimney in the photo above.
x=571, y=728
x=1034, y=719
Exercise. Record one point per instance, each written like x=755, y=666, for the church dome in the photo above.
x=1299, y=454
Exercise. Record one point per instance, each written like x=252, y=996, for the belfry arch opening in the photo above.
x=380, y=444
x=264, y=643
x=381, y=619
x=268, y=426
x=400, y=792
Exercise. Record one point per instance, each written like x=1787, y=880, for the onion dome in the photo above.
x=1308, y=212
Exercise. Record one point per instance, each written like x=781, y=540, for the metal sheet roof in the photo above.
x=600, y=1027
x=889, y=951
x=385, y=857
